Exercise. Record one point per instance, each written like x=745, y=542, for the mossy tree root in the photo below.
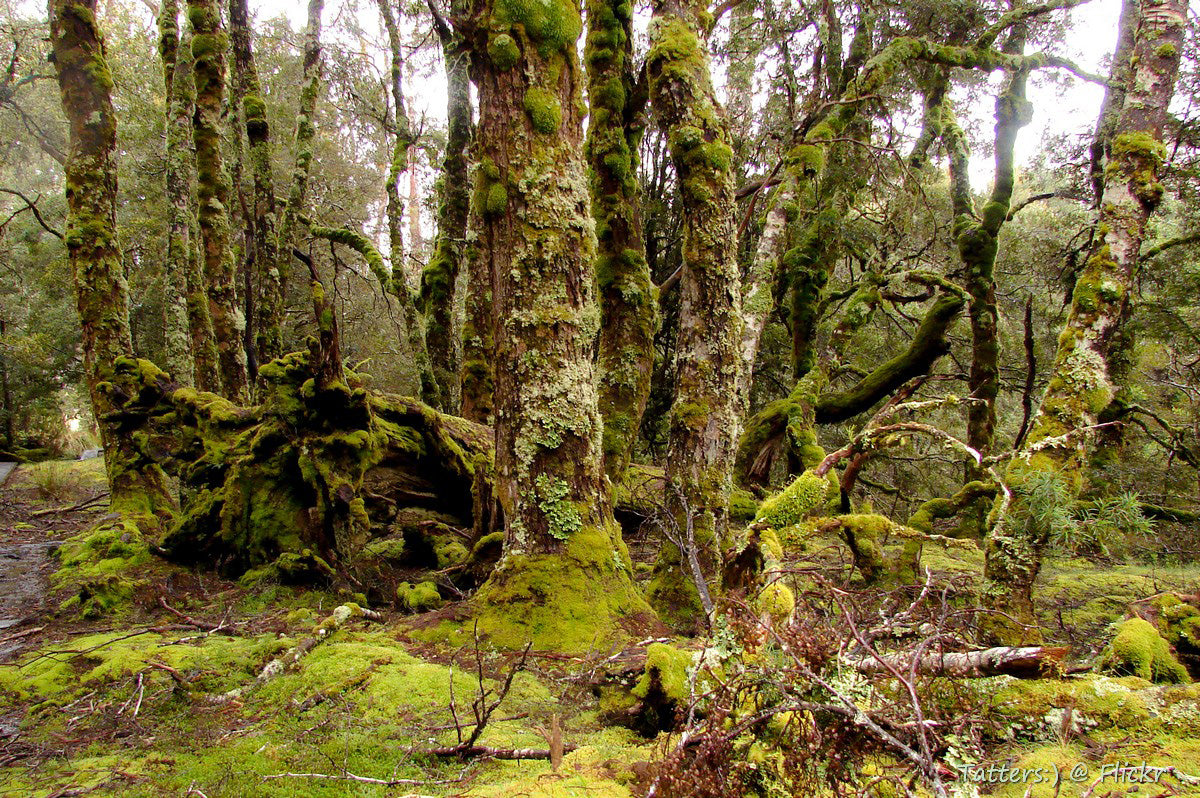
x=302, y=482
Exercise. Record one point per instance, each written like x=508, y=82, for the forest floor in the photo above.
x=169, y=696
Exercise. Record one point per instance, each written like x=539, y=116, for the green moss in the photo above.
x=562, y=517
x=553, y=25
x=743, y=507
x=103, y=567
x=573, y=601
x=419, y=597
x=495, y=199
x=667, y=667
x=503, y=51
x=792, y=505
x=777, y=602
x=1139, y=649
x=545, y=113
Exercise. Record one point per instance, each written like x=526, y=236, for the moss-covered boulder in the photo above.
x=1139, y=650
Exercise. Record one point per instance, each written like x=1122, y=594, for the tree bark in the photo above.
x=1029, y=662
x=271, y=303
x=428, y=386
x=1081, y=386
x=209, y=43
x=262, y=242
x=628, y=302
x=177, y=348
x=101, y=293
x=439, y=280
x=564, y=580
x=704, y=418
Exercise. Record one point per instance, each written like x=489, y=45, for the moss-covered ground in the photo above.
x=162, y=692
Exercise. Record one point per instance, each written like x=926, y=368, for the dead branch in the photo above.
x=1022, y=662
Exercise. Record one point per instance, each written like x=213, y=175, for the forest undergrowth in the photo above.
x=195, y=685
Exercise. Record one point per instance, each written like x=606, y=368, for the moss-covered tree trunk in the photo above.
x=628, y=301
x=439, y=279
x=565, y=578
x=209, y=44
x=428, y=386
x=274, y=280
x=101, y=292
x=261, y=235
x=705, y=415
x=201, y=366
x=177, y=345
x=978, y=239
x=1081, y=387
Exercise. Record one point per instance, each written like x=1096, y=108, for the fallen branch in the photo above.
x=487, y=751
x=83, y=505
x=292, y=657
x=1022, y=662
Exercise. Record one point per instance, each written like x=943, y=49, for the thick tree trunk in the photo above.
x=209, y=43
x=429, y=389
x=271, y=303
x=1081, y=386
x=439, y=280
x=628, y=301
x=565, y=578
x=704, y=417
x=102, y=295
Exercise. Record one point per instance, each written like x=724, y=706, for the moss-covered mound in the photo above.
x=301, y=484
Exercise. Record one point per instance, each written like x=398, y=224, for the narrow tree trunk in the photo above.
x=628, y=301
x=1081, y=387
x=440, y=278
x=6, y=403
x=430, y=391
x=262, y=245
x=208, y=53
x=758, y=286
x=271, y=303
x=978, y=241
x=565, y=578
x=705, y=415
x=177, y=335
x=101, y=292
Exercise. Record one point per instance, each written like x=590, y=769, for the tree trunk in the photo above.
x=565, y=577
x=1081, y=386
x=978, y=241
x=209, y=43
x=440, y=278
x=704, y=417
x=628, y=301
x=271, y=303
x=430, y=390
x=262, y=243
x=101, y=293
x=177, y=334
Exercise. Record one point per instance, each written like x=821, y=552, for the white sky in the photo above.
x=1058, y=109
x=1068, y=105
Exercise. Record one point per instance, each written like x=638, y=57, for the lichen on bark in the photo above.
x=704, y=418
x=1081, y=387
x=564, y=580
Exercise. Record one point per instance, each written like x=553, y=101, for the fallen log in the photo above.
x=1022, y=662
